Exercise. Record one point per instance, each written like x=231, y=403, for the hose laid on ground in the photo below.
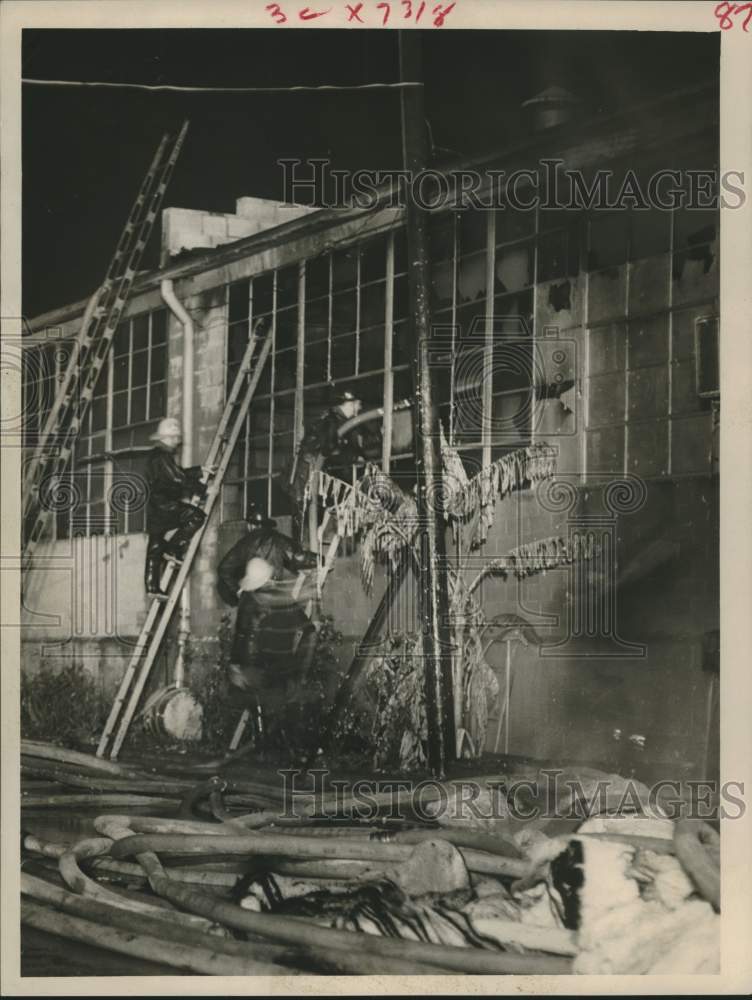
x=81, y=884
x=303, y=847
x=48, y=849
x=160, y=824
x=287, y=959
x=698, y=848
x=460, y=838
x=94, y=783
x=155, y=926
x=46, y=751
x=105, y=801
x=357, y=963
x=238, y=792
x=472, y=839
x=191, y=958
x=359, y=946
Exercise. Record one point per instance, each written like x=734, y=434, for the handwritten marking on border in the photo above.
x=363, y=13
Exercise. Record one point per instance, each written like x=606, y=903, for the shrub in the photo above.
x=62, y=706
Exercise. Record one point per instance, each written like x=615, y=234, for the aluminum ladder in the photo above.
x=53, y=449
x=175, y=574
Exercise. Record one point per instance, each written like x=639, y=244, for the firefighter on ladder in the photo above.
x=274, y=640
x=322, y=447
x=169, y=511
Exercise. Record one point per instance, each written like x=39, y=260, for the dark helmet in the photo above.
x=345, y=397
x=256, y=519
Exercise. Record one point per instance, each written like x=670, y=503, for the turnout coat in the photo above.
x=170, y=488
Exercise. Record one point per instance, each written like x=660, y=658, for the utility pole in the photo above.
x=433, y=599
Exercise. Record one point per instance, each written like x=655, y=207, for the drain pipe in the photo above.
x=179, y=311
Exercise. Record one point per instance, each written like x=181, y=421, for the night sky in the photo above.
x=85, y=151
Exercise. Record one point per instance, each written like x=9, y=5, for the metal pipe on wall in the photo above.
x=178, y=310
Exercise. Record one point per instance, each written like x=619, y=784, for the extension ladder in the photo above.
x=53, y=449
x=175, y=575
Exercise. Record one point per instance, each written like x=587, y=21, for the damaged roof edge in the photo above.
x=326, y=218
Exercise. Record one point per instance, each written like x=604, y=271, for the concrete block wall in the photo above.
x=191, y=229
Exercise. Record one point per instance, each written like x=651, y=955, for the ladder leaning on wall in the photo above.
x=175, y=574
x=53, y=449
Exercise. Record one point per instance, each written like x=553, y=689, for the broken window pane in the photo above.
x=472, y=278
x=514, y=268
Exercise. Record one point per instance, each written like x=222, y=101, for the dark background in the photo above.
x=85, y=151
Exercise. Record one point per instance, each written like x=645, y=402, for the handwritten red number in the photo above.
x=352, y=12
x=276, y=12
x=748, y=8
x=722, y=12
x=420, y=12
x=409, y=11
x=441, y=14
x=387, y=10
x=306, y=14
x=725, y=10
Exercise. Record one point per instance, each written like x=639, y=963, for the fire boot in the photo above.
x=153, y=571
x=190, y=522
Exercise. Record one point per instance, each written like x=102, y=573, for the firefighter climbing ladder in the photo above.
x=52, y=452
x=323, y=572
x=175, y=575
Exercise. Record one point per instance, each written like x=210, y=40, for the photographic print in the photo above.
x=368, y=466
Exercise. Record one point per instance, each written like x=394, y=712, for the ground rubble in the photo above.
x=216, y=875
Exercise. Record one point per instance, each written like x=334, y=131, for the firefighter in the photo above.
x=169, y=511
x=322, y=447
x=274, y=640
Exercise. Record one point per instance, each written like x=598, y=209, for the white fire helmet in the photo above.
x=168, y=427
x=258, y=572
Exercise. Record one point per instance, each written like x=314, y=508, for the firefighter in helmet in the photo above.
x=171, y=518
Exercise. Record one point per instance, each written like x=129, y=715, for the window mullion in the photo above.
x=386, y=444
x=108, y=466
x=487, y=399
